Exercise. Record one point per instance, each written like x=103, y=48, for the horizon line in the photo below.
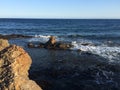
x=52, y=18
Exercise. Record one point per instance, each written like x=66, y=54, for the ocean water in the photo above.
x=96, y=68
x=102, y=35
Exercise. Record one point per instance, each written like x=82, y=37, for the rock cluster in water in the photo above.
x=51, y=44
x=14, y=66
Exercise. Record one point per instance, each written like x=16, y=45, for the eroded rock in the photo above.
x=51, y=41
x=51, y=44
x=3, y=44
x=14, y=66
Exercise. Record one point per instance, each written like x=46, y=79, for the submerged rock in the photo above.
x=14, y=66
x=30, y=45
x=14, y=36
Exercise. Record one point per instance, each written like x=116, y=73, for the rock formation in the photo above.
x=51, y=44
x=51, y=41
x=14, y=66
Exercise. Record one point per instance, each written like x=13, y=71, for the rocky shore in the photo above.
x=14, y=66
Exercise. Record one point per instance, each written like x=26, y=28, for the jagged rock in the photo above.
x=51, y=44
x=51, y=41
x=14, y=66
x=3, y=44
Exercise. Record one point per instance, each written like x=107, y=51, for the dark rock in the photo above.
x=30, y=45
x=41, y=45
x=51, y=41
x=51, y=44
x=14, y=36
x=79, y=50
x=64, y=46
x=86, y=44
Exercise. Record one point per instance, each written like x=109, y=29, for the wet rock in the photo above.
x=87, y=44
x=14, y=66
x=51, y=41
x=31, y=45
x=51, y=44
x=64, y=46
x=14, y=36
x=79, y=50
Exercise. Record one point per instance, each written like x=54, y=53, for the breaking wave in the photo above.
x=105, y=50
x=40, y=38
x=111, y=53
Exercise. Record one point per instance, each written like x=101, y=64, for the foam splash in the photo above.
x=41, y=38
x=111, y=53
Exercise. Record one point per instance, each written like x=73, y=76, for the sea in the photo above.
x=93, y=63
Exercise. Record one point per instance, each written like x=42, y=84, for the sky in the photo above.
x=82, y=9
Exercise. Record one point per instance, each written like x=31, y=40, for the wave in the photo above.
x=41, y=38
x=111, y=53
x=93, y=36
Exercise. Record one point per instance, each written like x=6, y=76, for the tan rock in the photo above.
x=52, y=40
x=64, y=46
x=3, y=44
x=14, y=66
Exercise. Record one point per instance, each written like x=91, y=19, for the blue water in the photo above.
x=89, y=29
x=103, y=33
x=71, y=70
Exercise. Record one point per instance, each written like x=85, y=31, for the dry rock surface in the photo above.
x=14, y=66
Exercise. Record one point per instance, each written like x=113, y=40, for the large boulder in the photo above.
x=14, y=66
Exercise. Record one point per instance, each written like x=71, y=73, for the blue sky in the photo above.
x=60, y=9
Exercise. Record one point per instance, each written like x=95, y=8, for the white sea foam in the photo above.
x=111, y=53
x=40, y=38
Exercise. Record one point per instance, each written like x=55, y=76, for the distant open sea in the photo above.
x=71, y=70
